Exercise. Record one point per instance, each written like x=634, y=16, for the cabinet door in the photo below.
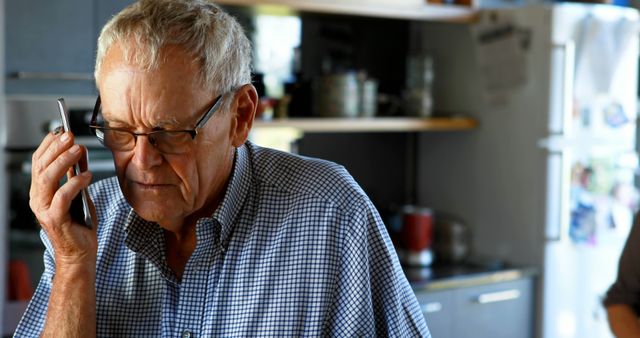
x=501, y=310
x=106, y=9
x=49, y=46
x=437, y=308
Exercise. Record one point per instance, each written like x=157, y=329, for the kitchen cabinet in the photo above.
x=500, y=310
x=496, y=310
x=106, y=9
x=438, y=310
x=49, y=46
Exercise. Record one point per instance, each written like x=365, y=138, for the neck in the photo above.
x=179, y=247
x=180, y=236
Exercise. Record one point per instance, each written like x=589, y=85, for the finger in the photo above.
x=62, y=199
x=82, y=163
x=51, y=136
x=60, y=144
x=70, y=173
x=64, y=164
x=54, y=214
x=45, y=183
x=47, y=140
x=44, y=144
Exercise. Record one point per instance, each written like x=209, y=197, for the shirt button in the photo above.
x=186, y=334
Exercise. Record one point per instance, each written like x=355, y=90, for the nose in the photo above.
x=145, y=154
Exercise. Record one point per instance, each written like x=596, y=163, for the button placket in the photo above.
x=193, y=293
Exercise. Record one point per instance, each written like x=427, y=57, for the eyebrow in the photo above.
x=158, y=125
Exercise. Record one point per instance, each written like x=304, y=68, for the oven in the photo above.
x=26, y=122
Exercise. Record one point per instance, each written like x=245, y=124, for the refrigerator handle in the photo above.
x=553, y=208
x=560, y=119
x=558, y=201
x=558, y=208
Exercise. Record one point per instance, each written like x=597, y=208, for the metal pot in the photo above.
x=452, y=240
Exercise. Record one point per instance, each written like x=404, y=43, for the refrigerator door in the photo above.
x=576, y=278
x=592, y=163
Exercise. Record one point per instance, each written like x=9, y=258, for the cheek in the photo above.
x=213, y=151
x=121, y=160
x=212, y=165
x=185, y=168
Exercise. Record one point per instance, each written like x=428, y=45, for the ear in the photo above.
x=245, y=103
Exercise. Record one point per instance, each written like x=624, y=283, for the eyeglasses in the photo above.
x=165, y=141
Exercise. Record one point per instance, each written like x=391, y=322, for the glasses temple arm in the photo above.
x=96, y=108
x=209, y=113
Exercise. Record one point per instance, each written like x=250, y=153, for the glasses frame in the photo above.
x=93, y=125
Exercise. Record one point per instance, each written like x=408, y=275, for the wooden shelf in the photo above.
x=380, y=124
x=408, y=11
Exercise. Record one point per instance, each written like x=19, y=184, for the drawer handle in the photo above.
x=65, y=76
x=431, y=307
x=500, y=296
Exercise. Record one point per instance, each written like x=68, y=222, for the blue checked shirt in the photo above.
x=295, y=249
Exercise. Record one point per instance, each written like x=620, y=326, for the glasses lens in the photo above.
x=118, y=139
x=171, y=142
x=99, y=133
x=165, y=141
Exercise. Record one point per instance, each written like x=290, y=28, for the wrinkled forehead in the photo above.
x=166, y=94
x=139, y=55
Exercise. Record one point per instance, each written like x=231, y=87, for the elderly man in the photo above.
x=203, y=233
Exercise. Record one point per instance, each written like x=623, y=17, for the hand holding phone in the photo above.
x=79, y=210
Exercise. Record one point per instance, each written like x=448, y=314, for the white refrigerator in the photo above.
x=549, y=178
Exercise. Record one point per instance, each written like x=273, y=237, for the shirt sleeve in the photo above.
x=372, y=295
x=32, y=322
x=626, y=288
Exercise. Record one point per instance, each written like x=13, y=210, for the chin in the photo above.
x=155, y=209
x=152, y=213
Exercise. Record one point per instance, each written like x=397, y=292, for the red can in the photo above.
x=417, y=228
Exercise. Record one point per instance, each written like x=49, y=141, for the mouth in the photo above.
x=150, y=186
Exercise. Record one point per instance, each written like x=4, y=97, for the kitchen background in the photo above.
x=497, y=139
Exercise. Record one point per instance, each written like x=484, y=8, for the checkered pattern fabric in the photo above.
x=295, y=249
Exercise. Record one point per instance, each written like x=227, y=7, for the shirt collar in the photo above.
x=234, y=198
x=146, y=238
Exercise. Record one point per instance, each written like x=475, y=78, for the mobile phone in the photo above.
x=79, y=210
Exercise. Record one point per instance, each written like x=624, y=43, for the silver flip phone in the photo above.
x=79, y=210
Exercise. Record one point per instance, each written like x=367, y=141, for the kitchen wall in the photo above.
x=333, y=43
x=459, y=172
x=441, y=175
x=380, y=163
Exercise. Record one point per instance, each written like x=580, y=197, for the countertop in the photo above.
x=443, y=277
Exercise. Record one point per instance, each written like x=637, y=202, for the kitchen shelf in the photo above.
x=378, y=124
x=409, y=11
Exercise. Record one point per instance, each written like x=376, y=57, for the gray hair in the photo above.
x=214, y=39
